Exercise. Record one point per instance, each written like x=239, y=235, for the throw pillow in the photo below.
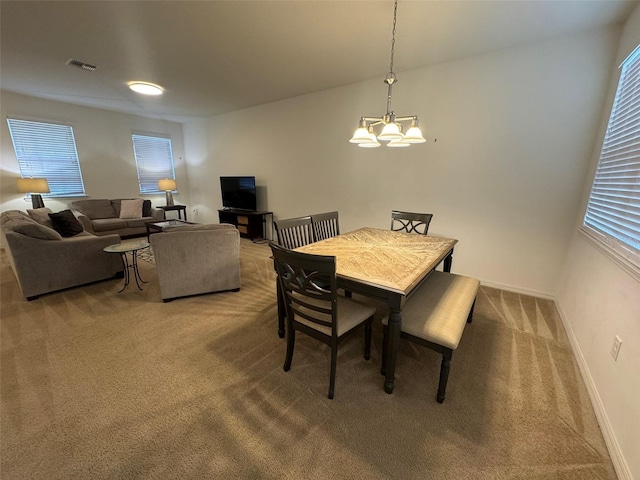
x=131, y=208
x=146, y=208
x=41, y=215
x=66, y=223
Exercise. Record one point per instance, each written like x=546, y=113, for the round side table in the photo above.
x=132, y=248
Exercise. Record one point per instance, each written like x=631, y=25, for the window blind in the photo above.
x=154, y=161
x=48, y=150
x=614, y=203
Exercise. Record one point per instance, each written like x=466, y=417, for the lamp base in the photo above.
x=169, y=198
x=36, y=200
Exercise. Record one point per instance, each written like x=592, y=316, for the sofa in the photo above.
x=43, y=261
x=196, y=259
x=105, y=217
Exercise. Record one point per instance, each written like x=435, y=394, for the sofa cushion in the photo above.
x=138, y=222
x=66, y=223
x=32, y=229
x=107, y=224
x=95, y=208
x=41, y=215
x=131, y=208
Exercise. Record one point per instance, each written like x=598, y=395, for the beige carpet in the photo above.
x=101, y=385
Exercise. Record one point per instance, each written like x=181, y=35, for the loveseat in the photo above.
x=105, y=217
x=43, y=261
x=196, y=259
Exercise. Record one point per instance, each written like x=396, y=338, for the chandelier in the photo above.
x=392, y=129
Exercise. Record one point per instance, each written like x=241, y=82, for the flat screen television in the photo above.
x=239, y=193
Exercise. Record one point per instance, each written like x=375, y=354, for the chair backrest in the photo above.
x=308, y=286
x=410, y=222
x=325, y=225
x=294, y=232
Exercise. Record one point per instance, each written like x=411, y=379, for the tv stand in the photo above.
x=250, y=224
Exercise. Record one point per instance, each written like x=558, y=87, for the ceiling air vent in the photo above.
x=77, y=63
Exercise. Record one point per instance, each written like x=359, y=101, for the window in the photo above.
x=154, y=160
x=613, y=210
x=48, y=150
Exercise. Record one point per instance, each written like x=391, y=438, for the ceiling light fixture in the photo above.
x=392, y=130
x=146, y=88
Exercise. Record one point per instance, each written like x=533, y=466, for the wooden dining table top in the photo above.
x=393, y=261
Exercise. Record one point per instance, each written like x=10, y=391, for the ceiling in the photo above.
x=218, y=56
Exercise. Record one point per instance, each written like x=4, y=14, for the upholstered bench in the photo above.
x=435, y=316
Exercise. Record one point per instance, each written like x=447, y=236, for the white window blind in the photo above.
x=154, y=161
x=614, y=204
x=48, y=150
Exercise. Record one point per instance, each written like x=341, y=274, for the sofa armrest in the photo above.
x=157, y=214
x=84, y=221
x=43, y=266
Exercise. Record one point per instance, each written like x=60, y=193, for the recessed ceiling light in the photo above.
x=146, y=88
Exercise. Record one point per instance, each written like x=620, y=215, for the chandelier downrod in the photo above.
x=392, y=130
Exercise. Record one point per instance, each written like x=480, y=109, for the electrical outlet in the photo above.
x=195, y=211
x=615, y=350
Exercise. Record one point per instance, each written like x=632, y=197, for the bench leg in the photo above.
x=470, y=317
x=444, y=373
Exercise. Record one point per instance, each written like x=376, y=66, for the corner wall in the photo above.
x=598, y=300
x=513, y=128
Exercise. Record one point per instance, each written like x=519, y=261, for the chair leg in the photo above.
x=367, y=339
x=444, y=373
x=291, y=340
x=332, y=374
x=385, y=334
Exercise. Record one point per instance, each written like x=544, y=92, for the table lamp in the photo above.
x=34, y=186
x=168, y=185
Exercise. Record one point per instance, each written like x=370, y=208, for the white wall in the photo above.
x=103, y=140
x=598, y=299
x=505, y=177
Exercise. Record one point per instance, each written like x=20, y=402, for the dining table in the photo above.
x=385, y=265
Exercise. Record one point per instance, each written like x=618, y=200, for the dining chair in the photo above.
x=312, y=305
x=410, y=222
x=325, y=225
x=294, y=232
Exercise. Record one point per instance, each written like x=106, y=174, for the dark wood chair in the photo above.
x=325, y=225
x=312, y=305
x=294, y=232
x=410, y=222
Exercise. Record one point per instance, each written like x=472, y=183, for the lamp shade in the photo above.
x=414, y=135
x=33, y=185
x=168, y=184
x=361, y=136
x=391, y=131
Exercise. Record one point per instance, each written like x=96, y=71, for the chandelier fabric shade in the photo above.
x=392, y=127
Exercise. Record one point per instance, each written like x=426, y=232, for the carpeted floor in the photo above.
x=100, y=385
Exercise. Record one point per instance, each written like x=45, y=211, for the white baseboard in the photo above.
x=617, y=458
x=522, y=291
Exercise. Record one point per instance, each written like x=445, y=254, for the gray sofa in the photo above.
x=44, y=262
x=102, y=217
x=197, y=259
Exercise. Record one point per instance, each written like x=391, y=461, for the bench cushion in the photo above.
x=438, y=311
